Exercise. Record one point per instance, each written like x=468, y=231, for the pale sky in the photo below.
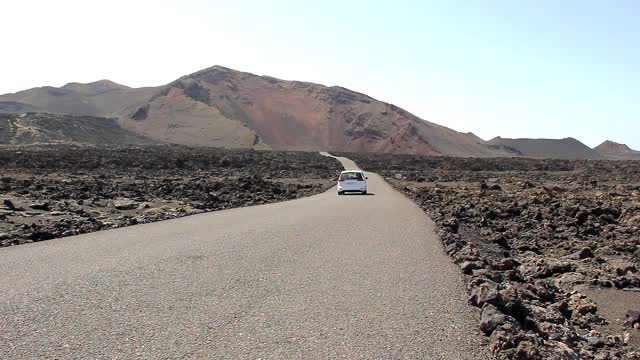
x=546, y=68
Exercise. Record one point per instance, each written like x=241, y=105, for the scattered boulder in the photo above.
x=582, y=217
x=40, y=206
x=491, y=318
x=504, y=337
x=486, y=292
x=9, y=204
x=468, y=266
x=125, y=204
x=585, y=253
x=632, y=318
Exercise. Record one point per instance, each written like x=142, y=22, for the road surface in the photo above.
x=321, y=277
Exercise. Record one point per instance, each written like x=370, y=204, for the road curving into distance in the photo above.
x=326, y=276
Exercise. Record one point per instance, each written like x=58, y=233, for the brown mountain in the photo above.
x=223, y=107
x=38, y=128
x=568, y=148
x=102, y=98
x=94, y=88
x=616, y=151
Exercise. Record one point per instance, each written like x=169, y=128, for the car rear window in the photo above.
x=352, y=176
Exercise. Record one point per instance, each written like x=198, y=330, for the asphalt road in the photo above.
x=322, y=277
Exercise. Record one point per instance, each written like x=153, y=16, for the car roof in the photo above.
x=348, y=171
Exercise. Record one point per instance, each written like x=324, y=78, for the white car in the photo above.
x=352, y=181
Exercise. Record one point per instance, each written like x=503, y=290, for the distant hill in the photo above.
x=616, y=151
x=101, y=98
x=223, y=107
x=15, y=107
x=568, y=148
x=38, y=128
x=95, y=88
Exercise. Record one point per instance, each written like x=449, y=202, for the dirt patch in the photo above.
x=545, y=246
x=613, y=305
x=56, y=191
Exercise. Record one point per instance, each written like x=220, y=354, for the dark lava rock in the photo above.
x=491, y=318
x=40, y=206
x=561, y=267
x=125, y=204
x=526, y=350
x=632, y=318
x=582, y=217
x=502, y=241
x=486, y=292
x=595, y=341
x=9, y=204
x=504, y=337
x=585, y=253
x=468, y=266
x=584, y=309
x=506, y=264
x=40, y=235
x=141, y=113
x=85, y=189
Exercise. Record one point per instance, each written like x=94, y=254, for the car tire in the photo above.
x=340, y=193
x=364, y=192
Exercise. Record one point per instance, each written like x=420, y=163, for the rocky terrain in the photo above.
x=550, y=249
x=48, y=192
x=38, y=128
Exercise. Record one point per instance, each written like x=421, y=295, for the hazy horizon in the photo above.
x=516, y=70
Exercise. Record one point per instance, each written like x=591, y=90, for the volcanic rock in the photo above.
x=125, y=204
x=632, y=318
x=88, y=189
x=9, y=204
x=40, y=206
x=557, y=225
x=492, y=318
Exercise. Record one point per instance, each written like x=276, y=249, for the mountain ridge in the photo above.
x=219, y=106
x=566, y=148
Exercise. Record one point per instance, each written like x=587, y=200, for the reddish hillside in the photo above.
x=223, y=107
x=303, y=116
